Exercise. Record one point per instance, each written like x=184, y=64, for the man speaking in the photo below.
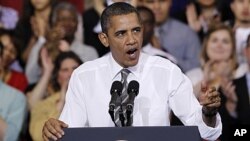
x=161, y=85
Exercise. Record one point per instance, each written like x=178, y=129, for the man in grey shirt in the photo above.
x=175, y=37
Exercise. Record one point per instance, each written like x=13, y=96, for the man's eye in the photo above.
x=119, y=34
x=137, y=30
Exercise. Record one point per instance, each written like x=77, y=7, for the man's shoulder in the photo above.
x=159, y=62
x=93, y=65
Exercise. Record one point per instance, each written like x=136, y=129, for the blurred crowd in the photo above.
x=43, y=41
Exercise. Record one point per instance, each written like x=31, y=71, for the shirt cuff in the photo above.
x=207, y=132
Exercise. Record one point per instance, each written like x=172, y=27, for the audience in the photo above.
x=240, y=25
x=33, y=24
x=148, y=21
x=11, y=51
x=200, y=14
x=175, y=37
x=12, y=108
x=47, y=98
x=218, y=59
x=61, y=37
x=235, y=99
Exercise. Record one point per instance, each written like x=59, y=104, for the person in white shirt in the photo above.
x=162, y=84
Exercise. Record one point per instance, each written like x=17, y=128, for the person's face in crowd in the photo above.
x=219, y=46
x=66, y=68
x=9, y=51
x=206, y=3
x=68, y=20
x=124, y=37
x=148, y=27
x=241, y=10
x=160, y=8
x=40, y=4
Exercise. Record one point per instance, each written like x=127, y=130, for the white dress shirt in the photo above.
x=162, y=87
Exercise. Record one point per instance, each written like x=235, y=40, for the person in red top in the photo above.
x=11, y=52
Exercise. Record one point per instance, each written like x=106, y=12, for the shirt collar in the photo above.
x=135, y=70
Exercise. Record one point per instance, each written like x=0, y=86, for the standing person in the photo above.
x=11, y=53
x=177, y=38
x=33, y=25
x=61, y=38
x=90, y=84
x=148, y=21
x=200, y=14
x=218, y=59
x=236, y=100
x=240, y=25
x=12, y=109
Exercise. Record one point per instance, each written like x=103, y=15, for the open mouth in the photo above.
x=131, y=51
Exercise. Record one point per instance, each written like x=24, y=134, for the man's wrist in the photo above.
x=209, y=112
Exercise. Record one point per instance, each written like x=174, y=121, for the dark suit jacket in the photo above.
x=243, y=106
x=243, y=109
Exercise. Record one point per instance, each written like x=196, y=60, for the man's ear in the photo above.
x=104, y=39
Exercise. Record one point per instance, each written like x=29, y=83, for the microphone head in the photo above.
x=133, y=87
x=116, y=88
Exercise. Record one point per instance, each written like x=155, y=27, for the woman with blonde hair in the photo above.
x=218, y=59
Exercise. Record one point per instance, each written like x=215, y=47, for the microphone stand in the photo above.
x=112, y=113
x=129, y=112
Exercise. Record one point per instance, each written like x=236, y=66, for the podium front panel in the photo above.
x=170, y=133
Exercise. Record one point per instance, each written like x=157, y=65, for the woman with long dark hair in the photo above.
x=46, y=100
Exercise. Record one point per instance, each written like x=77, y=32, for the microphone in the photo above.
x=133, y=90
x=115, y=91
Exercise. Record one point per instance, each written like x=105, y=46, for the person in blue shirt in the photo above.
x=12, y=109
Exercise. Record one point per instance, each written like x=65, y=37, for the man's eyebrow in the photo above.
x=137, y=28
x=120, y=31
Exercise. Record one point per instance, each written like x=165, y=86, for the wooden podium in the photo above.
x=169, y=133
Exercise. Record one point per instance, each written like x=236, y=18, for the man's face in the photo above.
x=148, y=27
x=241, y=10
x=124, y=37
x=68, y=20
x=160, y=8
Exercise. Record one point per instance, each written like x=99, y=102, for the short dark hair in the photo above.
x=62, y=6
x=149, y=13
x=116, y=9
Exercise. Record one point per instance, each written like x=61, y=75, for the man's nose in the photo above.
x=131, y=38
